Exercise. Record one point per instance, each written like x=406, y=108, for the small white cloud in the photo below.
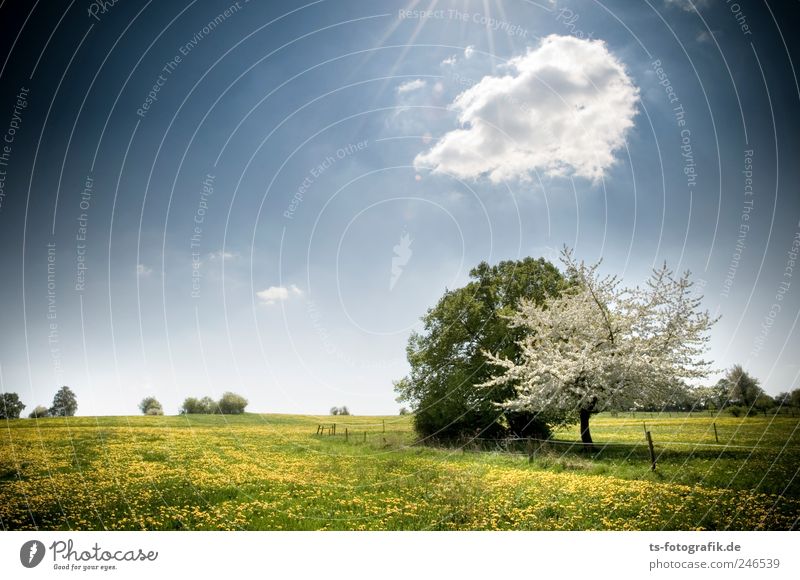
x=449, y=61
x=687, y=5
x=705, y=36
x=564, y=108
x=142, y=270
x=410, y=86
x=469, y=51
x=275, y=294
x=220, y=256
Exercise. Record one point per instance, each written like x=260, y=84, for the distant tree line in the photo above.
x=343, y=410
x=229, y=404
x=737, y=393
x=65, y=403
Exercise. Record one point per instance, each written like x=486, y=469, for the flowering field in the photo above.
x=271, y=472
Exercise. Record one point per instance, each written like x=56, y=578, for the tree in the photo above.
x=231, y=404
x=208, y=405
x=599, y=345
x=10, y=406
x=191, y=406
x=150, y=406
x=404, y=411
x=64, y=403
x=195, y=406
x=334, y=411
x=447, y=357
x=743, y=389
x=39, y=412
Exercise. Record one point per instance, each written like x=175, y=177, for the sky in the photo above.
x=265, y=197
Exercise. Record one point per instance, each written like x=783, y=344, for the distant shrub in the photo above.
x=404, y=411
x=195, y=406
x=340, y=410
x=231, y=404
x=737, y=410
x=151, y=406
x=39, y=412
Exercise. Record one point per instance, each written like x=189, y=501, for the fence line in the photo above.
x=621, y=443
x=321, y=429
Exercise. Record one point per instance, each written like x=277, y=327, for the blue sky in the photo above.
x=278, y=191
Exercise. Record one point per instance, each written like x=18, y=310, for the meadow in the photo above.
x=273, y=472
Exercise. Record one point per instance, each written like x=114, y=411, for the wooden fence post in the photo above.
x=652, y=452
x=345, y=434
x=644, y=425
x=715, y=432
x=365, y=436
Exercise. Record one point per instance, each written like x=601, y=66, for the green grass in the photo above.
x=273, y=472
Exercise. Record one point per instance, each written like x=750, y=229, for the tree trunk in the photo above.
x=586, y=436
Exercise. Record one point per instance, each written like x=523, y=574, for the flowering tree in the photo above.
x=598, y=344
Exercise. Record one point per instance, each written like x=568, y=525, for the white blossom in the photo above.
x=599, y=344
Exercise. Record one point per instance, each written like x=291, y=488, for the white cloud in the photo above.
x=221, y=255
x=142, y=270
x=563, y=108
x=469, y=51
x=275, y=294
x=687, y=5
x=410, y=86
x=449, y=61
x=706, y=36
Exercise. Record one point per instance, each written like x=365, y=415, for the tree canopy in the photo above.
x=151, y=406
x=742, y=389
x=448, y=360
x=599, y=345
x=65, y=403
x=231, y=404
x=10, y=406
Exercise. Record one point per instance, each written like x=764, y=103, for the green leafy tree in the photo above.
x=151, y=406
x=195, y=406
x=10, y=406
x=447, y=357
x=231, y=404
x=64, y=403
x=743, y=389
x=208, y=406
x=191, y=406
